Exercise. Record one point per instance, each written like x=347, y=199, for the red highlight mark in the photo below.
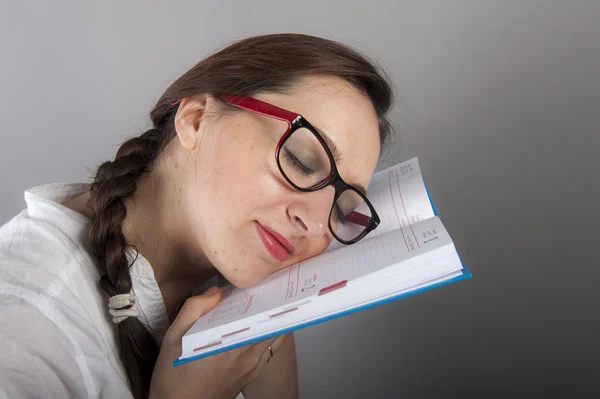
x=235, y=332
x=207, y=346
x=284, y=312
x=333, y=287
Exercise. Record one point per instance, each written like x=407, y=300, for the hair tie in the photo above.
x=123, y=306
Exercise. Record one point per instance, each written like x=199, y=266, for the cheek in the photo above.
x=236, y=181
x=234, y=173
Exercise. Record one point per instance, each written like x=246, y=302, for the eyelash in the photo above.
x=296, y=162
x=339, y=215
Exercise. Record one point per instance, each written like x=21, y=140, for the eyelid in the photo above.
x=290, y=155
x=338, y=212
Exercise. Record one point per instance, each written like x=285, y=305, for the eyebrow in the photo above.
x=337, y=156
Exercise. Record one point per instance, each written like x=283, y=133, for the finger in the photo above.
x=262, y=348
x=193, y=308
x=262, y=355
x=278, y=342
x=268, y=355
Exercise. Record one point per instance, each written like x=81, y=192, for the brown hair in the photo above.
x=262, y=63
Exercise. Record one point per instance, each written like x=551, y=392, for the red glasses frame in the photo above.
x=296, y=121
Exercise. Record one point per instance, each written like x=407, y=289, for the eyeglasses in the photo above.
x=307, y=164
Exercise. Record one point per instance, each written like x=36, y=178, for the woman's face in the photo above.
x=232, y=191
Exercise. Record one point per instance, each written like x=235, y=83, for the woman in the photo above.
x=237, y=178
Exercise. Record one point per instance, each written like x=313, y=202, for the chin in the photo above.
x=242, y=277
x=244, y=270
x=243, y=282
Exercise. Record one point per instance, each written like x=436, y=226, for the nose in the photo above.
x=309, y=212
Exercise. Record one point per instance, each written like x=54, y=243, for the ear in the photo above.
x=191, y=117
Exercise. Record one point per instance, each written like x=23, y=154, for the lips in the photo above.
x=276, y=244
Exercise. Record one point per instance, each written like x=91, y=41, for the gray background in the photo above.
x=499, y=100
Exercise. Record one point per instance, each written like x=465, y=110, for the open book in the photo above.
x=410, y=251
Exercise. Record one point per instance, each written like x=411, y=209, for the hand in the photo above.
x=221, y=376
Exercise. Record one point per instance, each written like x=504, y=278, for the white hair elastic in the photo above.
x=123, y=306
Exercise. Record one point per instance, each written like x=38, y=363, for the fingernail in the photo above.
x=212, y=290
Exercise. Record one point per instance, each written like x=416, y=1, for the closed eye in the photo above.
x=339, y=215
x=297, y=163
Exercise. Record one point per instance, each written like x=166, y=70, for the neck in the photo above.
x=155, y=226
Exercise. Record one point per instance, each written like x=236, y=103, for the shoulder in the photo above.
x=55, y=324
x=44, y=245
x=44, y=260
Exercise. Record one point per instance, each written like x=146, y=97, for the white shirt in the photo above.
x=57, y=338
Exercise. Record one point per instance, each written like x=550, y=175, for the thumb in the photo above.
x=193, y=308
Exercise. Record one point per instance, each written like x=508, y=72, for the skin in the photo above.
x=194, y=214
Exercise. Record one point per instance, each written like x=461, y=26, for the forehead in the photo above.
x=340, y=111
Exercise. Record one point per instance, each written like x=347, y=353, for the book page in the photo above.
x=309, y=278
x=313, y=289
x=399, y=197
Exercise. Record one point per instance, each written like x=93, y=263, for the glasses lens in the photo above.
x=303, y=159
x=349, y=216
